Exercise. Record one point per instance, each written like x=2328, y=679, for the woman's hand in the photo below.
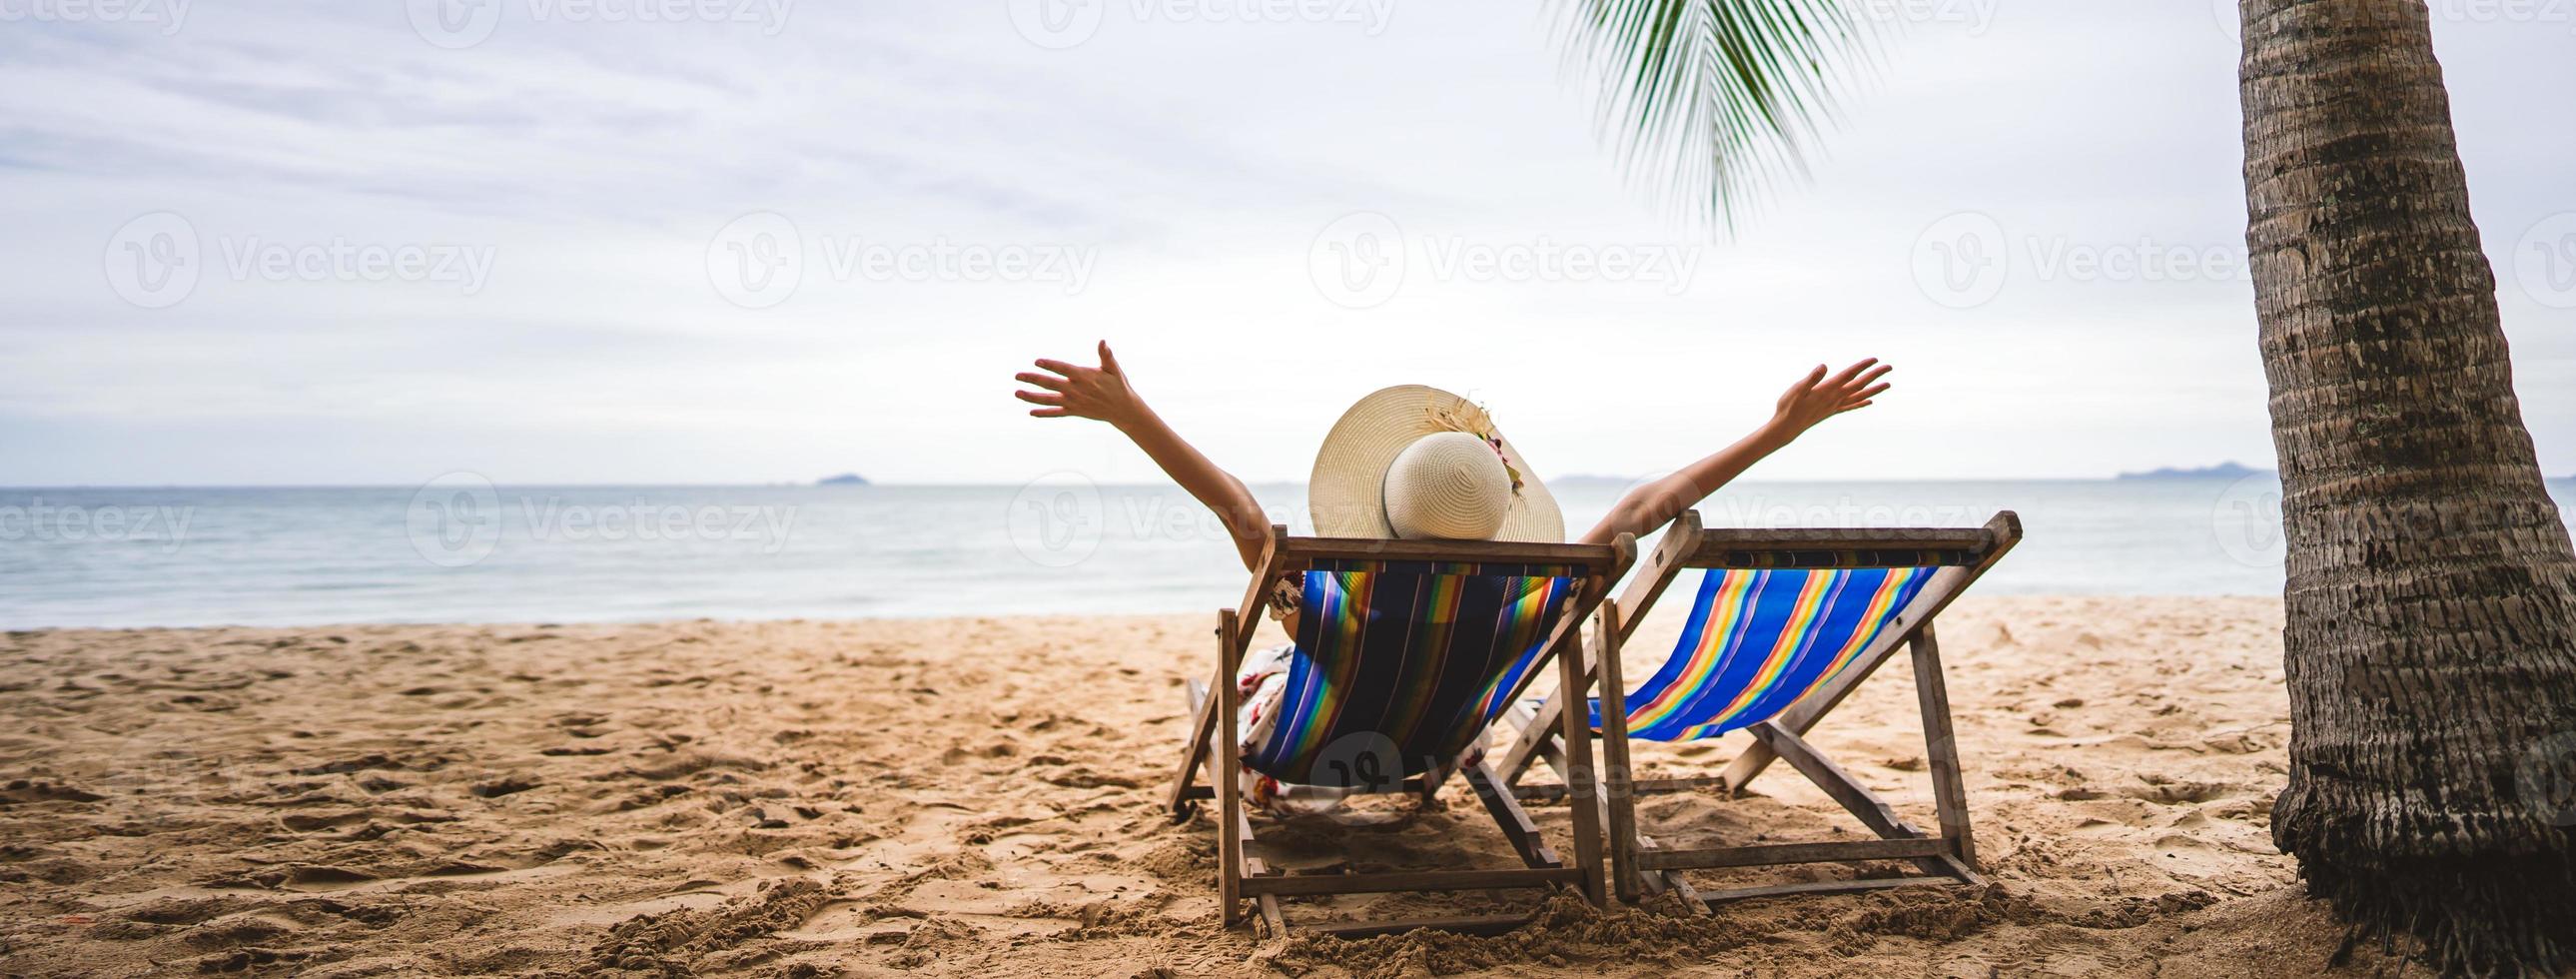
x=1817, y=397
x=1075, y=391
x=1813, y=399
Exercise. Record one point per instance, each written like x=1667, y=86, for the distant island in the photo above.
x=844, y=479
x=2224, y=470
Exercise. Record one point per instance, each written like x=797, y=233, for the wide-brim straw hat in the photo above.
x=1447, y=486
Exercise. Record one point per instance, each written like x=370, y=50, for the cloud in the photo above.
x=1200, y=159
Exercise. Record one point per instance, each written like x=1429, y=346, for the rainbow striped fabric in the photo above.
x=1758, y=640
x=1400, y=665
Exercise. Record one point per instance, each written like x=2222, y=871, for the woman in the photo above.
x=1412, y=462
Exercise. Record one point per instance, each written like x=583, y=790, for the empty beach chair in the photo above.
x=1784, y=624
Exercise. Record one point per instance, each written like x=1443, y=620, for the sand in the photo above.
x=979, y=797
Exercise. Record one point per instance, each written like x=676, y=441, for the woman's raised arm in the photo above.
x=1813, y=399
x=1103, y=393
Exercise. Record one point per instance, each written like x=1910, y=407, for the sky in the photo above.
x=749, y=241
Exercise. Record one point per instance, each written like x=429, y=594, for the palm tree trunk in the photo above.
x=2431, y=638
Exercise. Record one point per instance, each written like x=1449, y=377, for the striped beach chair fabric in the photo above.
x=1407, y=652
x=1783, y=625
x=1758, y=641
x=1401, y=664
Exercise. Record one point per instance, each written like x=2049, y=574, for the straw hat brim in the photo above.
x=1346, y=495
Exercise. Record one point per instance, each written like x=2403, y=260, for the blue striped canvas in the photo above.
x=1758, y=640
x=1399, y=665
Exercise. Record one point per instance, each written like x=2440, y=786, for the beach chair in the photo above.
x=1785, y=624
x=1414, y=648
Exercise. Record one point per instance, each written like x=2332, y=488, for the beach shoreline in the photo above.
x=980, y=796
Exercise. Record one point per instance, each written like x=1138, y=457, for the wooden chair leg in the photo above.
x=1574, y=736
x=1229, y=788
x=1195, y=754
x=1941, y=747
x=1509, y=815
x=1619, y=778
x=1252, y=866
x=1669, y=880
x=1532, y=739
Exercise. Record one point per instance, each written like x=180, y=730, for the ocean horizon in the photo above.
x=461, y=549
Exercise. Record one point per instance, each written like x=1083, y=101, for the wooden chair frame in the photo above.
x=1214, y=747
x=1641, y=865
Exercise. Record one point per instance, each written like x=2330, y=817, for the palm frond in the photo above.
x=1711, y=102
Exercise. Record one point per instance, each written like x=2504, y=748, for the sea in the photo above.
x=460, y=549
